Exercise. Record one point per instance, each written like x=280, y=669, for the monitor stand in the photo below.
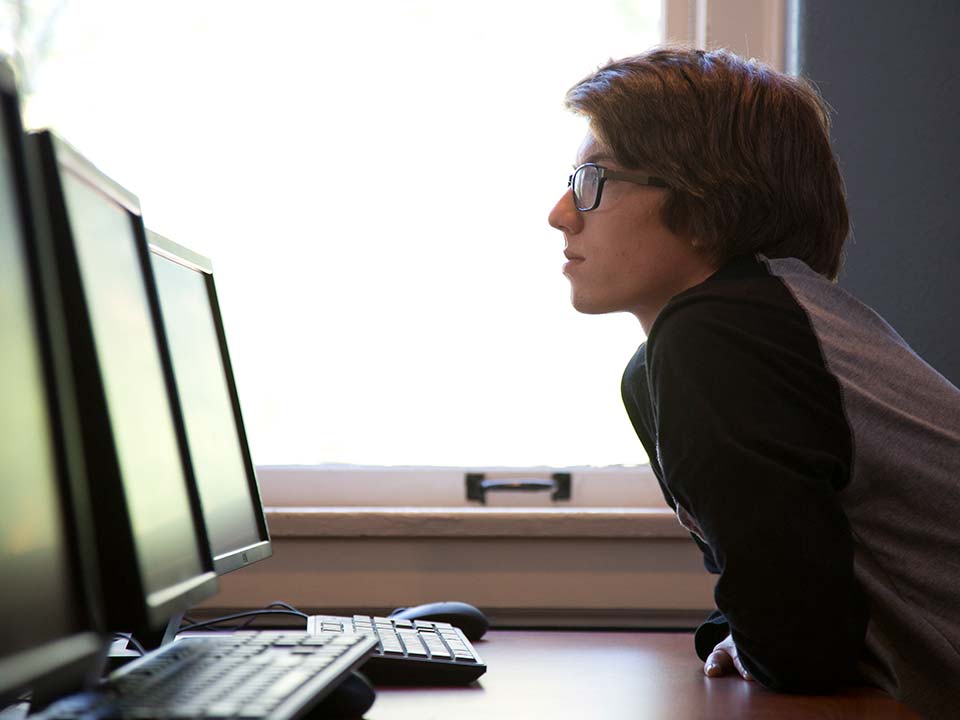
x=123, y=651
x=151, y=640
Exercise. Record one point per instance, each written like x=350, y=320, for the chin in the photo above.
x=590, y=307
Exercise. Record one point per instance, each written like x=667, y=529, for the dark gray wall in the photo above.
x=891, y=71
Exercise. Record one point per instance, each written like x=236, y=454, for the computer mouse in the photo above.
x=350, y=699
x=471, y=621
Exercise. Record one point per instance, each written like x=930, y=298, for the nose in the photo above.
x=565, y=216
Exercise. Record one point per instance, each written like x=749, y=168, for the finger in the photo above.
x=718, y=663
x=741, y=669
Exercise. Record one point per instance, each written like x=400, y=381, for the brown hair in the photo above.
x=745, y=150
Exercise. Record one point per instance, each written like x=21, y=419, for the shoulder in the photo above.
x=743, y=318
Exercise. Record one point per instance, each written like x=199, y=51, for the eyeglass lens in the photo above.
x=586, y=182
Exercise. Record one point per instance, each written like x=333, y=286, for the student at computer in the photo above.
x=814, y=457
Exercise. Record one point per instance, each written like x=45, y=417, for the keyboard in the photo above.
x=244, y=675
x=408, y=652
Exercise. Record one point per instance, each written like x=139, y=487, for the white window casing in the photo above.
x=752, y=28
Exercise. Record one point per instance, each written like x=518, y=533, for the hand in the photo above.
x=725, y=660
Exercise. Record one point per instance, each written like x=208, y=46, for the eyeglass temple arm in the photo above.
x=634, y=178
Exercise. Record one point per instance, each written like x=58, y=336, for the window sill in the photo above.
x=427, y=522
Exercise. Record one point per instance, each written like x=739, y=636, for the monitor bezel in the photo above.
x=128, y=606
x=71, y=662
x=239, y=557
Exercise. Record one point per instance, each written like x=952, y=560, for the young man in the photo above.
x=813, y=456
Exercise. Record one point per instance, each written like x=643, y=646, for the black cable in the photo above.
x=246, y=623
x=237, y=616
x=132, y=641
x=282, y=604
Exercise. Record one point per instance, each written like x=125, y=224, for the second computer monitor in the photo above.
x=229, y=493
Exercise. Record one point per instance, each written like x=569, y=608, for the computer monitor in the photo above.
x=151, y=539
x=229, y=494
x=48, y=620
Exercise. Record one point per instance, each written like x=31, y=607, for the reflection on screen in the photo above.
x=33, y=554
x=140, y=413
x=212, y=431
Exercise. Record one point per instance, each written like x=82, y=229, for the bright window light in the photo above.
x=372, y=182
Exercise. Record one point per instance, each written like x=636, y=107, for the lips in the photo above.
x=572, y=261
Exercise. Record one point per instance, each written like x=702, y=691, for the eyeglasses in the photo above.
x=588, y=179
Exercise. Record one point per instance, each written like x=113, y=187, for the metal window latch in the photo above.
x=478, y=486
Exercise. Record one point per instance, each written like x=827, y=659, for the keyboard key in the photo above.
x=221, y=709
x=256, y=710
x=184, y=712
x=288, y=683
x=286, y=661
x=344, y=640
x=313, y=642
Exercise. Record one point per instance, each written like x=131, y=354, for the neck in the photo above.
x=648, y=315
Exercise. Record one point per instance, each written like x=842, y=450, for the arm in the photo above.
x=754, y=444
x=635, y=392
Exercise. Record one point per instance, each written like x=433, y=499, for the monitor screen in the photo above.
x=218, y=449
x=47, y=627
x=137, y=400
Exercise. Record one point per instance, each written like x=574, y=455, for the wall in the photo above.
x=584, y=582
x=890, y=70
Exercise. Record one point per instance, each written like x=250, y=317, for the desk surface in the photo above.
x=611, y=675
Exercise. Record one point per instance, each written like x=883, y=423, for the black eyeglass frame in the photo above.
x=604, y=174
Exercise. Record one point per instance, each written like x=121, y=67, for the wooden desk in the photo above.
x=611, y=675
